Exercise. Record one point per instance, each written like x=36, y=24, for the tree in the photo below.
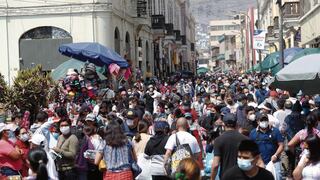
x=3, y=89
x=29, y=91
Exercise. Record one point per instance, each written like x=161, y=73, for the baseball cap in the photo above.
x=37, y=139
x=3, y=127
x=266, y=106
x=229, y=118
x=90, y=117
x=131, y=114
x=262, y=116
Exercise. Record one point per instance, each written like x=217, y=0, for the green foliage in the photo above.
x=3, y=89
x=29, y=90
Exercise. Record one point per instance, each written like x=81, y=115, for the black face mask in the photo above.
x=230, y=102
x=88, y=130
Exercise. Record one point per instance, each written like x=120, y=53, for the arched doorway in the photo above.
x=117, y=40
x=148, y=67
x=40, y=46
x=128, y=46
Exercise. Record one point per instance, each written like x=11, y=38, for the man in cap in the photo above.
x=226, y=147
x=270, y=142
x=132, y=119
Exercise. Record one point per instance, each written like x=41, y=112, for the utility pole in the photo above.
x=258, y=27
x=281, y=43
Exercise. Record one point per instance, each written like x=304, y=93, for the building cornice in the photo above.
x=55, y=9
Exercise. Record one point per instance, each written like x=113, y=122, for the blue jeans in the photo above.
x=277, y=166
x=6, y=171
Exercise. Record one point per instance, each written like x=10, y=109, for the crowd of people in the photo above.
x=222, y=126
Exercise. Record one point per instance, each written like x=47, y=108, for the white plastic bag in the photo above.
x=270, y=167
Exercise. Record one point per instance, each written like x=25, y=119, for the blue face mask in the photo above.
x=55, y=135
x=245, y=164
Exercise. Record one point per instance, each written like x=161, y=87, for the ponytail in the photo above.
x=311, y=123
x=42, y=173
x=38, y=160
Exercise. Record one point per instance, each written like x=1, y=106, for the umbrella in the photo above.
x=61, y=71
x=94, y=53
x=305, y=52
x=301, y=74
x=289, y=54
x=202, y=70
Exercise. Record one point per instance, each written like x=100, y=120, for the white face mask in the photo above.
x=65, y=130
x=252, y=117
x=264, y=124
x=131, y=106
x=24, y=137
x=129, y=122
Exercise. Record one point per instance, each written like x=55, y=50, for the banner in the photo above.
x=259, y=38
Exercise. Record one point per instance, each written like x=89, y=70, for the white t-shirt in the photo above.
x=184, y=138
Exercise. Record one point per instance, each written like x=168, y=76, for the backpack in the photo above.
x=182, y=151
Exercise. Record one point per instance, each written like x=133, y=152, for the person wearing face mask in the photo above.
x=23, y=144
x=240, y=113
x=309, y=164
x=131, y=123
x=270, y=142
x=246, y=168
x=86, y=169
x=10, y=157
x=67, y=147
x=251, y=122
x=197, y=105
x=225, y=147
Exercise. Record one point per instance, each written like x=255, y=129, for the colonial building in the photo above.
x=309, y=21
x=173, y=36
x=31, y=31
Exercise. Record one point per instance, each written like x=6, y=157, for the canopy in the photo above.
x=94, y=53
x=61, y=71
x=301, y=74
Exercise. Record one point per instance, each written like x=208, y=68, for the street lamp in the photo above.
x=281, y=43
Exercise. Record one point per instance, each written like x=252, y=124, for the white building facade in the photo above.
x=116, y=24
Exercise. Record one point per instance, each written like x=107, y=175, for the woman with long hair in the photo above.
x=311, y=129
x=309, y=165
x=38, y=160
x=118, y=153
x=141, y=138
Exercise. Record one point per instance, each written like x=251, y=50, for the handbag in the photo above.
x=136, y=170
x=102, y=165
